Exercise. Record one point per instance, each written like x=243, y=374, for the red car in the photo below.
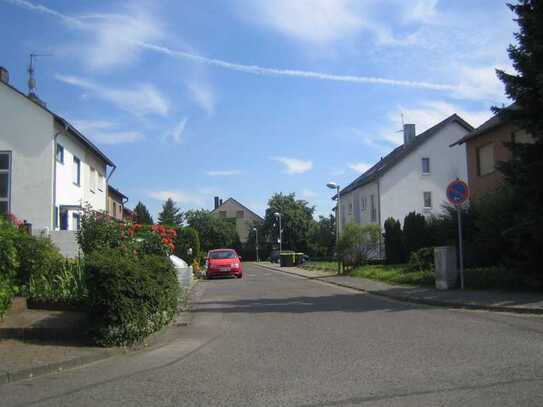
x=223, y=262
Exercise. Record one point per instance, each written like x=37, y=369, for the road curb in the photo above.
x=418, y=300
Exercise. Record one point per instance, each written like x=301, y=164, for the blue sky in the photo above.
x=246, y=98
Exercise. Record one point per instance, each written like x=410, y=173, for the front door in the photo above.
x=63, y=219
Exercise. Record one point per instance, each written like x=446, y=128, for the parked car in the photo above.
x=223, y=262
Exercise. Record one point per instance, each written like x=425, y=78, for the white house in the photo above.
x=48, y=169
x=413, y=177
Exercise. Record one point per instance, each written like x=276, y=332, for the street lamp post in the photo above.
x=333, y=185
x=278, y=215
x=256, y=237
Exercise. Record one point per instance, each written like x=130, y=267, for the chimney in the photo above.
x=216, y=202
x=408, y=133
x=4, y=75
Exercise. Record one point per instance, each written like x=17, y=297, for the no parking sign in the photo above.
x=457, y=192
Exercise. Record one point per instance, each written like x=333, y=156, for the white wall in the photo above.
x=359, y=215
x=402, y=186
x=27, y=131
x=70, y=194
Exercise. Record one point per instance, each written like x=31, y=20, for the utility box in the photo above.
x=445, y=267
x=183, y=271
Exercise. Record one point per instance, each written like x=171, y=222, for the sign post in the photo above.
x=457, y=194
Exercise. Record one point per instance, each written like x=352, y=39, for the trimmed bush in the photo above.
x=421, y=260
x=129, y=297
x=187, y=237
x=414, y=232
x=9, y=264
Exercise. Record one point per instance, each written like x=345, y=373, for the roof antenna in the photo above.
x=31, y=79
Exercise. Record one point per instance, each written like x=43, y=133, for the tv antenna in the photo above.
x=31, y=79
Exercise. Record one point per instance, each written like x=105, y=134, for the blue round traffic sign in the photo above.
x=457, y=192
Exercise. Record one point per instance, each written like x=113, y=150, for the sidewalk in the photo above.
x=39, y=342
x=490, y=300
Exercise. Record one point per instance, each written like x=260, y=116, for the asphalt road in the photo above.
x=272, y=339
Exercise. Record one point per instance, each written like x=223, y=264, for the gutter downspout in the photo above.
x=379, y=214
x=113, y=168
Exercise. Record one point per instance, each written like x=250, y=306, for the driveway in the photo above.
x=273, y=339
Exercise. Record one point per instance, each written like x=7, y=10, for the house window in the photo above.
x=92, y=179
x=426, y=165
x=76, y=174
x=76, y=221
x=363, y=203
x=222, y=214
x=100, y=182
x=485, y=159
x=114, y=205
x=60, y=154
x=373, y=209
x=240, y=214
x=5, y=181
x=350, y=208
x=427, y=199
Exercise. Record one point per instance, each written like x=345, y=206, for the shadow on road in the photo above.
x=305, y=304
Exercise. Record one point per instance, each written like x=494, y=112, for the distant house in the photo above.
x=48, y=170
x=413, y=177
x=245, y=218
x=485, y=148
x=115, y=203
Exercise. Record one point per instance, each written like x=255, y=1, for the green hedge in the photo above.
x=9, y=264
x=129, y=297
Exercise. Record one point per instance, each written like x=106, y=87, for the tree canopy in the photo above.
x=170, y=215
x=215, y=232
x=142, y=215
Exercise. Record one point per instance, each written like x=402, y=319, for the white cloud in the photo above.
x=203, y=95
x=139, y=101
x=420, y=10
x=114, y=37
x=294, y=165
x=259, y=70
x=223, y=173
x=180, y=197
x=481, y=83
x=179, y=130
x=424, y=116
x=105, y=132
x=314, y=21
x=360, y=167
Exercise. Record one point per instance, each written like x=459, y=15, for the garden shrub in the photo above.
x=493, y=277
x=394, y=246
x=187, y=237
x=358, y=243
x=421, y=260
x=37, y=256
x=414, y=232
x=130, y=297
x=9, y=264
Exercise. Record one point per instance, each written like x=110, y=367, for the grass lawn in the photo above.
x=388, y=273
x=395, y=274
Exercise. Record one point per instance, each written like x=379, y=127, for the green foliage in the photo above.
x=142, y=215
x=187, y=238
x=296, y=220
x=62, y=281
x=214, y=232
x=129, y=297
x=414, y=232
x=358, y=243
x=9, y=264
x=421, y=260
x=170, y=215
x=97, y=232
x=480, y=278
x=524, y=171
x=394, y=243
x=322, y=237
x=37, y=256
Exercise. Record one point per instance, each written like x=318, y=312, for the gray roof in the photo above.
x=401, y=152
x=494, y=122
x=67, y=125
